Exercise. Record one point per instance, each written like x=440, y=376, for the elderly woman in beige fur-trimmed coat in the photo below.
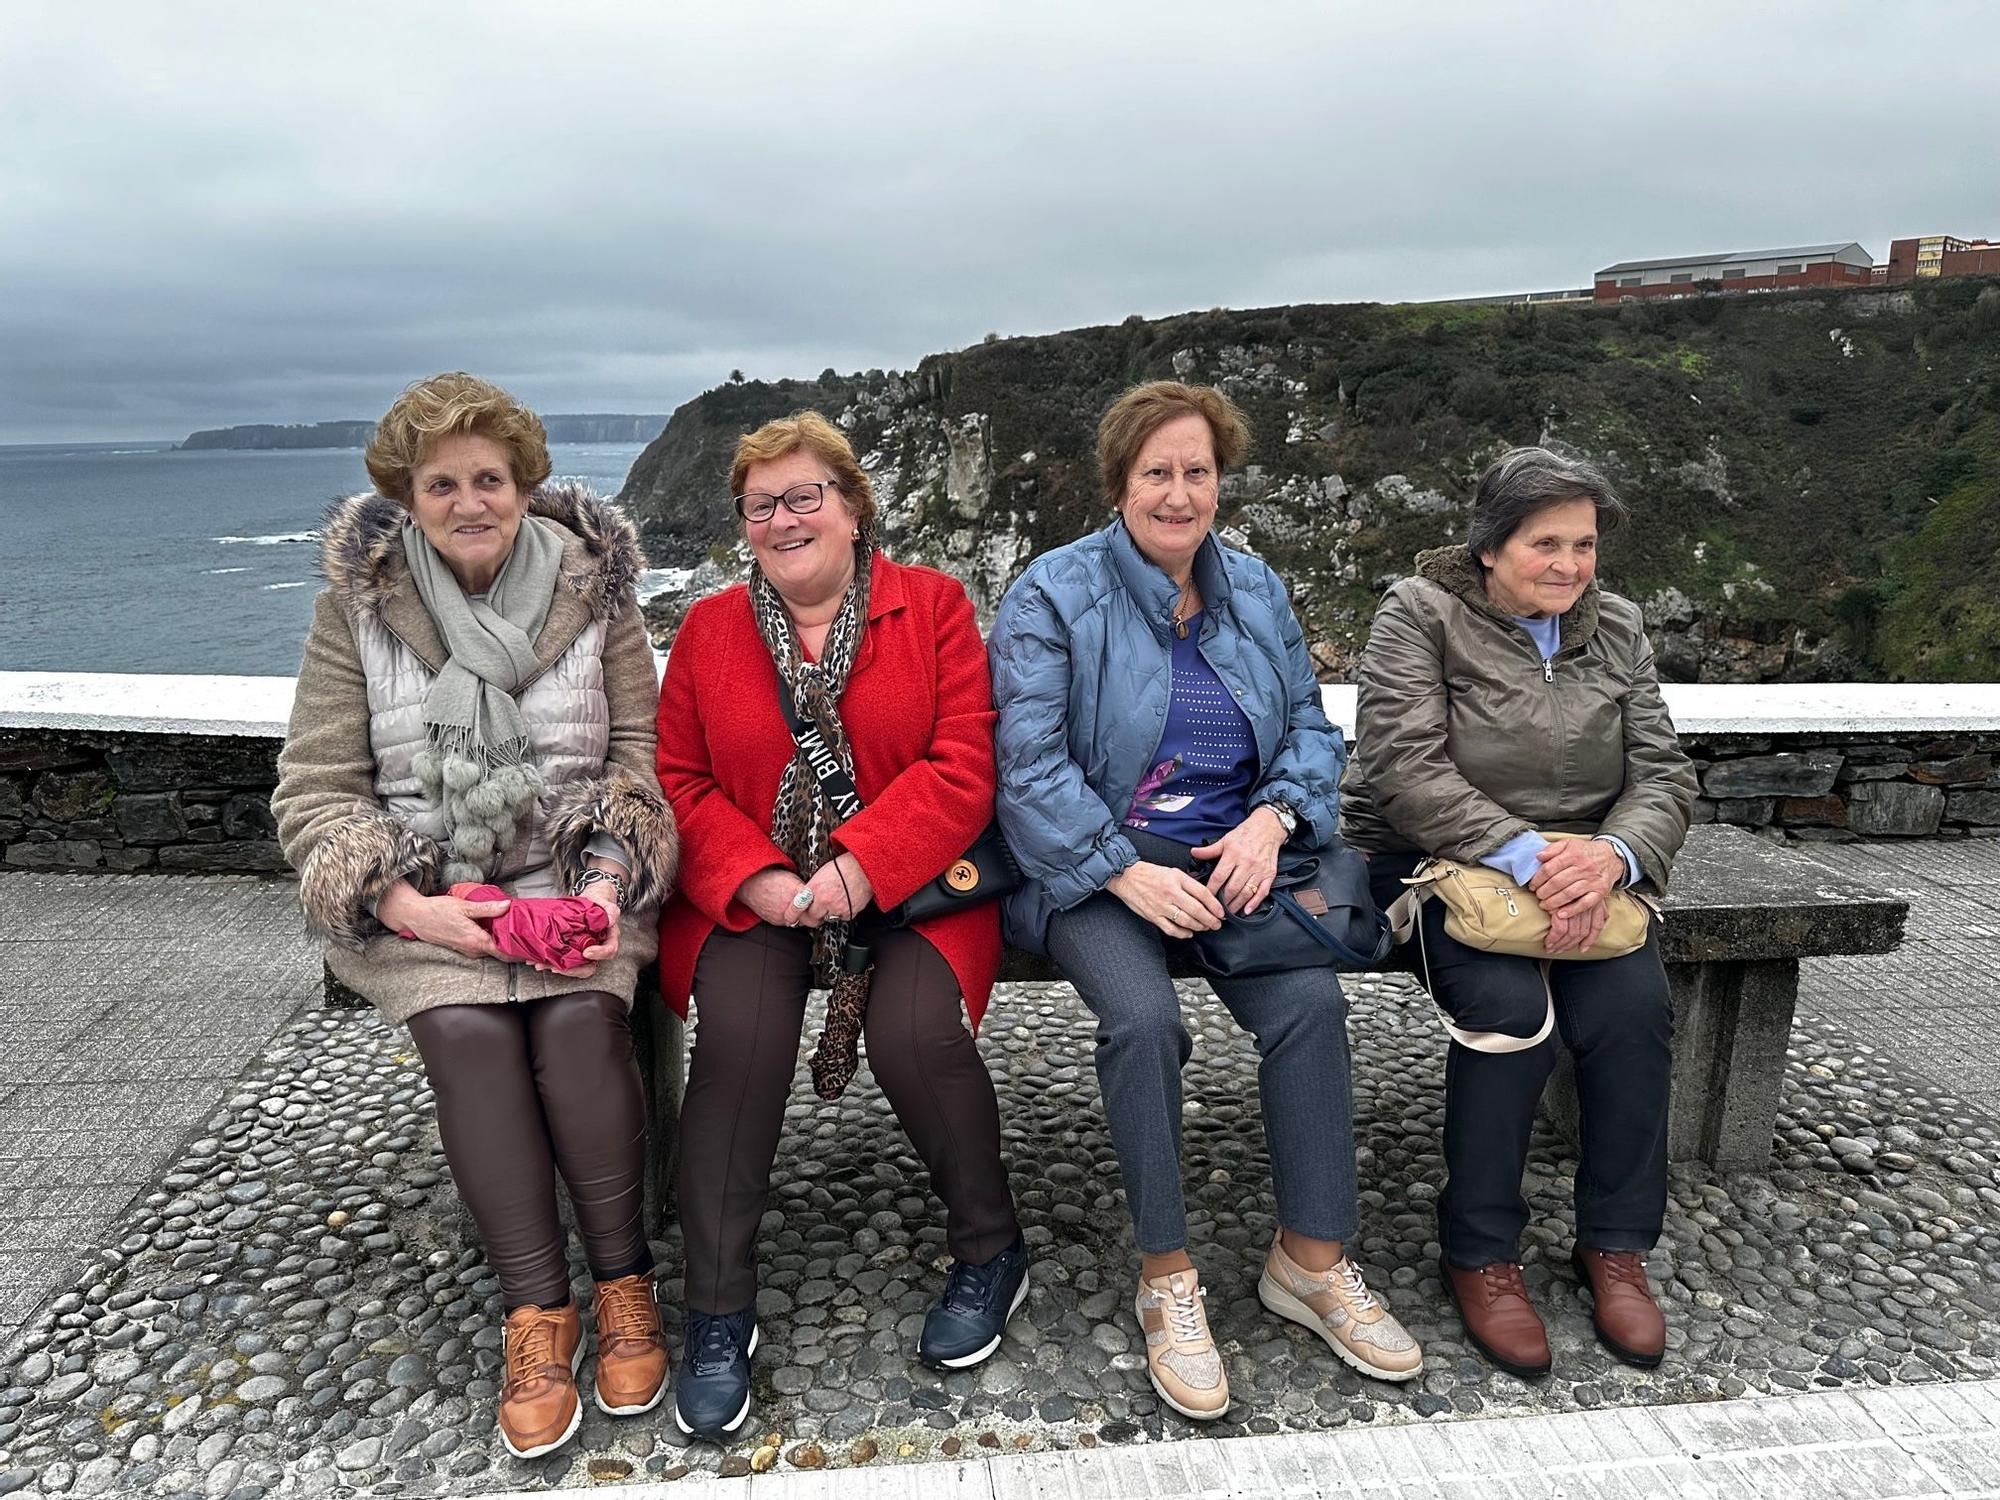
x=477, y=704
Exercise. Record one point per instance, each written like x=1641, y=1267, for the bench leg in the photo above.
x=1732, y=1024
x=658, y=1039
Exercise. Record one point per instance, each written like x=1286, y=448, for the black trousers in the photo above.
x=750, y=1006
x=1616, y=1018
x=522, y=1091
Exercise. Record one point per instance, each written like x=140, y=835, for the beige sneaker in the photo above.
x=1338, y=1306
x=1180, y=1354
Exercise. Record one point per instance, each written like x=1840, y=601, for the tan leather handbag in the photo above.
x=1489, y=910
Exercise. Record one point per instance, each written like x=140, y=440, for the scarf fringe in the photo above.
x=483, y=791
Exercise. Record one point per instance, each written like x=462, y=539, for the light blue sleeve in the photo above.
x=1516, y=857
x=606, y=846
x=1631, y=862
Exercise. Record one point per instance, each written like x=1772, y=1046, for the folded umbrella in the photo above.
x=549, y=930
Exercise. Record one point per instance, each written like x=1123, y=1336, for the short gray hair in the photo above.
x=1522, y=481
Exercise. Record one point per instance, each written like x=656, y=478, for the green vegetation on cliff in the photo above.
x=1815, y=476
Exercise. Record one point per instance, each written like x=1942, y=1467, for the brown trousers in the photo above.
x=523, y=1090
x=750, y=999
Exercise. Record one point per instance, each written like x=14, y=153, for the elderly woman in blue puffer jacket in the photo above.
x=1161, y=742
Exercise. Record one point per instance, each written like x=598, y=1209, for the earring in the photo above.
x=854, y=535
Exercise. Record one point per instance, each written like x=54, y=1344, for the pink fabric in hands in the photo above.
x=548, y=930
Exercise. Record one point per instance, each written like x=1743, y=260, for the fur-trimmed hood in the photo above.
x=1453, y=568
x=362, y=551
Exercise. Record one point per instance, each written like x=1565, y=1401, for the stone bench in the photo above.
x=1743, y=912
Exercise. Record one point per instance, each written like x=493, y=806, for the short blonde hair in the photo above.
x=447, y=405
x=1143, y=410
x=819, y=437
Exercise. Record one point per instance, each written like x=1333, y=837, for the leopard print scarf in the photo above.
x=802, y=817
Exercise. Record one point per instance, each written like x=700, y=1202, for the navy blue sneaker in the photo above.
x=966, y=1325
x=712, y=1397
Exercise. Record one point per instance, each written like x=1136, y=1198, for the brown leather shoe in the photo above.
x=1499, y=1319
x=1629, y=1322
x=539, y=1409
x=631, y=1350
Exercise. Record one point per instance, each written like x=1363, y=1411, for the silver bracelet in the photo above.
x=589, y=878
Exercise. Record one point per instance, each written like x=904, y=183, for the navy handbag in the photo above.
x=1319, y=913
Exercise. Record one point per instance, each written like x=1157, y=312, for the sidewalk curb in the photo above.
x=1912, y=1442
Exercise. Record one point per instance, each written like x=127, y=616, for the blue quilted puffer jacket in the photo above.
x=1082, y=670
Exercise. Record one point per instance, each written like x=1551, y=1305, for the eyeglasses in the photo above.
x=800, y=500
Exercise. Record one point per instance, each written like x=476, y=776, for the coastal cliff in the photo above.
x=1815, y=476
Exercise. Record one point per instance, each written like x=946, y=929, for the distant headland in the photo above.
x=574, y=427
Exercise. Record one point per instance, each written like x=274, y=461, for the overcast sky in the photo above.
x=220, y=213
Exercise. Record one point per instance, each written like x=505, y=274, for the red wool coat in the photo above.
x=918, y=711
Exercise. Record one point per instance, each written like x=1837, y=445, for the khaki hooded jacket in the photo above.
x=1465, y=737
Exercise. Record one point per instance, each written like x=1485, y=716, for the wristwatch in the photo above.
x=1285, y=814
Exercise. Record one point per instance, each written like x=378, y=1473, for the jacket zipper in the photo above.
x=1562, y=730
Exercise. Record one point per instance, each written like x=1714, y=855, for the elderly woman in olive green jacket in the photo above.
x=1503, y=696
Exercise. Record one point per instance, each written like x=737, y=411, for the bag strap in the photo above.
x=833, y=781
x=1384, y=940
x=1410, y=904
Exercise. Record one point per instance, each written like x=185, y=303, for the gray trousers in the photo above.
x=1118, y=963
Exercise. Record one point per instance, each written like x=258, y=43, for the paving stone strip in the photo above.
x=128, y=1006
x=1912, y=1443
x=301, y=1307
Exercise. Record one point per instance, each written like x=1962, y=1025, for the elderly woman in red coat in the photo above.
x=886, y=664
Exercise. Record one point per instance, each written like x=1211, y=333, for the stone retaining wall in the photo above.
x=99, y=799
x=77, y=799
x=1818, y=787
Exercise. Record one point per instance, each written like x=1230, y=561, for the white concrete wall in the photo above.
x=260, y=706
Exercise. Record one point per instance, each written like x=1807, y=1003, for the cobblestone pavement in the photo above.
x=297, y=1303
x=1934, y=1002
x=127, y=1006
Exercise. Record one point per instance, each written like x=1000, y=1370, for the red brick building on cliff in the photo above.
x=1740, y=271
x=1941, y=255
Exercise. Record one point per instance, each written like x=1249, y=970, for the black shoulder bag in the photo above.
x=985, y=872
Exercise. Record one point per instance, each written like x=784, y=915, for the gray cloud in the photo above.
x=218, y=213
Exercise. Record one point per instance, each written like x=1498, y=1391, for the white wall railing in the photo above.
x=260, y=706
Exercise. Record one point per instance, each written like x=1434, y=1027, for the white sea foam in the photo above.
x=213, y=571
x=268, y=541
x=299, y=585
x=656, y=581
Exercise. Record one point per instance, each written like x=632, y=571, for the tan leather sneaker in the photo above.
x=631, y=1349
x=1337, y=1305
x=1180, y=1353
x=539, y=1409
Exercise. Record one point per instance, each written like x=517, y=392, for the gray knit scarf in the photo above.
x=476, y=770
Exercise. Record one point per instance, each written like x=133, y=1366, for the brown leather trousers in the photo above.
x=525, y=1090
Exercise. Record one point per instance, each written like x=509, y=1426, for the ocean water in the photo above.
x=130, y=557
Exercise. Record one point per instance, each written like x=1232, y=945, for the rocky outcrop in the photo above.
x=566, y=427
x=263, y=435
x=1806, y=508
